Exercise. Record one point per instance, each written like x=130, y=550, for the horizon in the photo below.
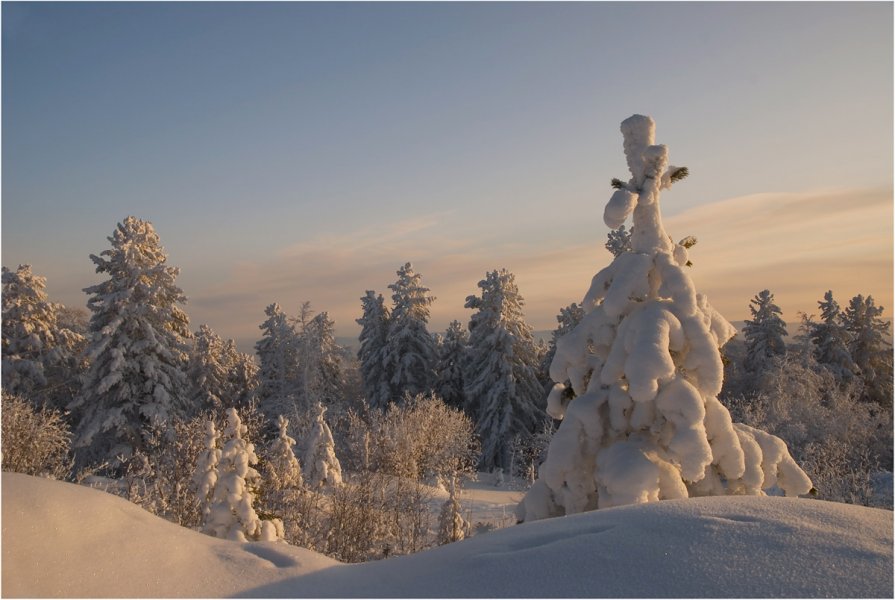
x=290, y=152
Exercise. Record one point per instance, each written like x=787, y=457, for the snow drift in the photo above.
x=60, y=539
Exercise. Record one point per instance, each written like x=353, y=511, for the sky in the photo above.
x=288, y=152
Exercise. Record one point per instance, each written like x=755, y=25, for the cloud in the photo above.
x=796, y=245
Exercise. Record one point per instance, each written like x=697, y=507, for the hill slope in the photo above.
x=63, y=540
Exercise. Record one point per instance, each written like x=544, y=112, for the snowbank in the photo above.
x=63, y=540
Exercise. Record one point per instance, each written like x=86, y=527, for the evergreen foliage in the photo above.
x=41, y=357
x=410, y=351
x=503, y=394
x=764, y=333
x=138, y=346
x=869, y=348
x=278, y=357
x=321, y=466
x=451, y=361
x=373, y=349
x=618, y=241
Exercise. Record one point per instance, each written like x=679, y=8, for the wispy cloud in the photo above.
x=797, y=245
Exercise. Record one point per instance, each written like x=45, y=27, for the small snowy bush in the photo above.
x=34, y=441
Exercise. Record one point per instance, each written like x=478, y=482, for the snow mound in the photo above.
x=60, y=539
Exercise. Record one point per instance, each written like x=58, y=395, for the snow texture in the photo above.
x=637, y=379
x=71, y=541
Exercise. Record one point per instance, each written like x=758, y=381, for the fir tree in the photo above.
x=283, y=468
x=373, y=349
x=638, y=377
x=320, y=361
x=451, y=362
x=242, y=377
x=869, y=349
x=322, y=468
x=765, y=332
x=277, y=375
x=831, y=340
x=209, y=371
x=410, y=351
x=138, y=346
x=41, y=358
x=502, y=389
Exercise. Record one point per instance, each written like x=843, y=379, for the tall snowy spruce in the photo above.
x=502, y=387
x=373, y=349
x=322, y=468
x=638, y=378
x=831, y=340
x=137, y=348
x=410, y=351
x=451, y=363
x=40, y=357
x=764, y=333
x=278, y=358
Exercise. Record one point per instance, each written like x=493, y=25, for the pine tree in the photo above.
x=277, y=375
x=320, y=361
x=502, y=389
x=764, y=333
x=410, y=351
x=373, y=350
x=451, y=362
x=831, y=340
x=322, y=468
x=638, y=377
x=618, y=241
x=208, y=371
x=41, y=358
x=869, y=349
x=138, y=346
x=231, y=513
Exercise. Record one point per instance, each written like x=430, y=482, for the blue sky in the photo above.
x=304, y=151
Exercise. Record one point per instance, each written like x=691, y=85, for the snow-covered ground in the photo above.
x=60, y=539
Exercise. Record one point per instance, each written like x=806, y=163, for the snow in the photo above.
x=60, y=539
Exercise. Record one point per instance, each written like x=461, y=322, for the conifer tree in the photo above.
x=231, y=513
x=638, y=377
x=451, y=362
x=618, y=241
x=208, y=371
x=284, y=470
x=242, y=377
x=451, y=525
x=568, y=318
x=410, y=351
x=831, y=340
x=373, y=349
x=869, y=348
x=320, y=361
x=764, y=333
x=138, y=346
x=502, y=389
x=41, y=358
x=278, y=357
x=322, y=468
x=206, y=476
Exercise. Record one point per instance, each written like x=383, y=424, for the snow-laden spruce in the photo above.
x=40, y=357
x=137, y=348
x=231, y=513
x=278, y=357
x=831, y=340
x=764, y=333
x=373, y=349
x=501, y=382
x=410, y=351
x=451, y=363
x=638, y=378
x=322, y=468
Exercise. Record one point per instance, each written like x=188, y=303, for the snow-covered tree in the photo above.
x=764, y=333
x=283, y=469
x=641, y=419
x=278, y=357
x=451, y=362
x=231, y=514
x=205, y=477
x=831, y=340
x=618, y=241
x=242, y=377
x=138, y=346
x=869, y=348
x=567, y=319
x=451, y=525
x=320, y=361
x=410, y=350
x=502, y=389
x=373, y=350
x=208, y=371
x=40, y=356
x=321, y=466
